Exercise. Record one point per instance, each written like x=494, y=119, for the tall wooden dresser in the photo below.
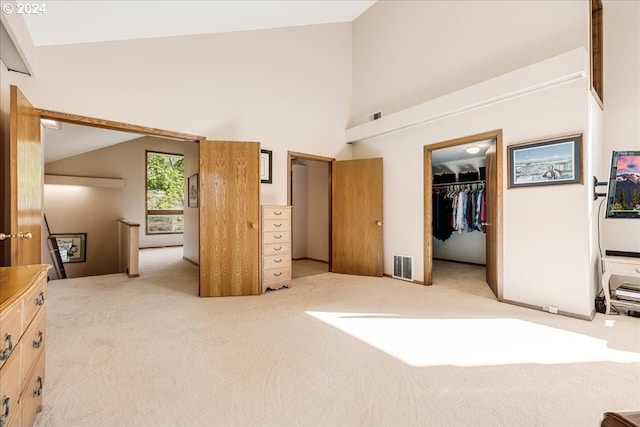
x=276, y=247
x=22, y=337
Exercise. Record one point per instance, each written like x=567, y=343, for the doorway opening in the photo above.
x=309, y=195
x=463, y=207
x=103, y=205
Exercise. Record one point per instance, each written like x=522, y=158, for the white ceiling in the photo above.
x=71, y=22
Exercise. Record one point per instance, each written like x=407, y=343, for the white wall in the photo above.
x=191, y=237
x=621, y=106
x=318, y=210
x=407, y=52
x=311, y=210
x=287, y=88
x=299, y=202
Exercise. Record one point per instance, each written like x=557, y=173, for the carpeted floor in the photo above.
x=334, y=350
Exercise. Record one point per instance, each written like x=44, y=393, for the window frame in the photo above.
x=148, y=212
x=596, y=48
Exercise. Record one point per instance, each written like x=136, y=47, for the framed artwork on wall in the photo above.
x=266, y=166
x=72, y=246
x=546, y=162
x=192, y=191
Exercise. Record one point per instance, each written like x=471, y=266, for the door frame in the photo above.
x=293, y=155
x=494, y=185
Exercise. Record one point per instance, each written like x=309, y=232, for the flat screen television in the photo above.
x=623, y=196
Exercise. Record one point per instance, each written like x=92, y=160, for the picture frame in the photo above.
x=72, y=246
x=192, y=191
x=553, y=161
x=266, y=166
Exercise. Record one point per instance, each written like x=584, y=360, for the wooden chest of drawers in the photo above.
x=22, y=340
x=276, y=247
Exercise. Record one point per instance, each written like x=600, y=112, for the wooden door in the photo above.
x=25, y=182
x=229, y=205
x=493, y=213
x=356, y=217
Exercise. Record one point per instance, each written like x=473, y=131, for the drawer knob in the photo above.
x=279, y=236
x=277, y=261
x=278, y=213
x=37, y=344
x=279, y=248
x=278, y=274
x=5, y=415
x=278, y=225
x=40, y=299
x=7, y=351
x=38, y=391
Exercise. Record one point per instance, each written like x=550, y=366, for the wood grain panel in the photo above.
x=356, y=215
x=119, y=126
x=26, y=176
x=428, y=217
x=229, y=203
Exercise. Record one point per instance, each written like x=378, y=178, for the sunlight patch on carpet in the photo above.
x=472, y=342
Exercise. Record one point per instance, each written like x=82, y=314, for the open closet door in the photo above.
x=229, y=203
x=356, y=217
x=25, y=177
x=493, y=196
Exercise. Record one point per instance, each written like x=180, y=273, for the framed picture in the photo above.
x=546, y=162
x=265, y=166
x=72, y=246
x=192, y=191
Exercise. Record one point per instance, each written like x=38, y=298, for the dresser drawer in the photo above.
x=10, y=386
x=10, y=330
x=31, y=401
x=276, y=237
x=274, y=212
x=276, y=261
x=33, y=343
x=277, y=248
x=32, y=303
x=276, y=275
x=276, y=225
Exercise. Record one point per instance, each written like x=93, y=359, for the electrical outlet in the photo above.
x=550, y=308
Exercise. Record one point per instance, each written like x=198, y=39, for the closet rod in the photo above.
x=459, y=183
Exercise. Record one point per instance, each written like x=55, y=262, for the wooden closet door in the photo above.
x=25, y=181
x=229, y=204
x=356, y=217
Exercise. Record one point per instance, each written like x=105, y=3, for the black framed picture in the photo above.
x=192, y=191
x=546, y=162
x=72, y=246
x=266, y=166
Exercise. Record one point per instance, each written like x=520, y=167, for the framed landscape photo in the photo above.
x=192, y=190
x=265, y=166
x=546, y=162
x=72, y=246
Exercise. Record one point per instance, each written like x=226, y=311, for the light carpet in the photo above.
x=334, y=350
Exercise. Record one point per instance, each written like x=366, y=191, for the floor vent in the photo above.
x=403, y=267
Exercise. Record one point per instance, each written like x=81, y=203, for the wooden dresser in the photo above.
x=22, y=340
x=276, y=247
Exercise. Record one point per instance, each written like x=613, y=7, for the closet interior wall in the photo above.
x=462, y=246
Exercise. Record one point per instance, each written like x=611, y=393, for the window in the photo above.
x=165, y=193
x=597, y=78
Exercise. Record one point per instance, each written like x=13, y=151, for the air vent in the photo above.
x=373, y=116
x=403, y=267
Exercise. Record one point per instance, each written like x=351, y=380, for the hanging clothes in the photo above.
x=460, y=208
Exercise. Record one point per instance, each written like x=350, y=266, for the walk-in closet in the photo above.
x=459, y=209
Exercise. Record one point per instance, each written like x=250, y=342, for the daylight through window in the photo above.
x=165, y=193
